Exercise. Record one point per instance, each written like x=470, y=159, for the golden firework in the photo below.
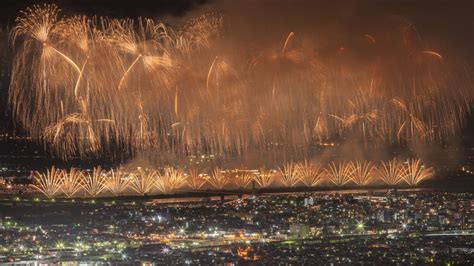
x=242, y=179
x=93, y=184
x=72, y=182
x=289, y=176
x=309, y=173
x=87, y=86
x=195, y=179
x=218, y=179
x=415, y=172
x=117, y=181
x=264, y=178
x=340, y=174
x=172, y=180
x=391, y=172
x=143, y=182
x=50, y=183
x=362, y=173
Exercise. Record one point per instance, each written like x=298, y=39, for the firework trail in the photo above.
x=362, y=173
x=72, y=182
x=218, y=180
x=411, y=123
x=87, y=86
x=433, y=53
x=50, y=183
x=143, y=182
x=117, y=182
x=415, y=172
x=340, y=174
x=289, y=175
x=195, y=179
x=93, y=184
x=309, y=173
x=391, y=172
x=264, y=178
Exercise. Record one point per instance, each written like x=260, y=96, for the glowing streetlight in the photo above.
x=360, y=226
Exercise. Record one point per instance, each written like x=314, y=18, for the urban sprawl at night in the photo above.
x=353, y=227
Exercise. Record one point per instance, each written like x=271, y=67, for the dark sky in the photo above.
x=115, y=8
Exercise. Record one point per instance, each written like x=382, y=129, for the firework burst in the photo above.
x=362, y=173
x=340, y=174
x=172, y=180
x=93, y=184
x=289, y=175
x=415, y=172
x=242, y=179
x=143, y=182
x=264, y=178
x=195, y=179
x=94, y=86
x=117, y=181
x=391, y=172
x=310, y=174
x=50, y=183
x=72, y=182
x=218, y=179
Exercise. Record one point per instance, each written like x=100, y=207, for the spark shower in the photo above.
x=96, y=85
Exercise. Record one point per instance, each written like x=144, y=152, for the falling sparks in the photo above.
x=86, y=86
